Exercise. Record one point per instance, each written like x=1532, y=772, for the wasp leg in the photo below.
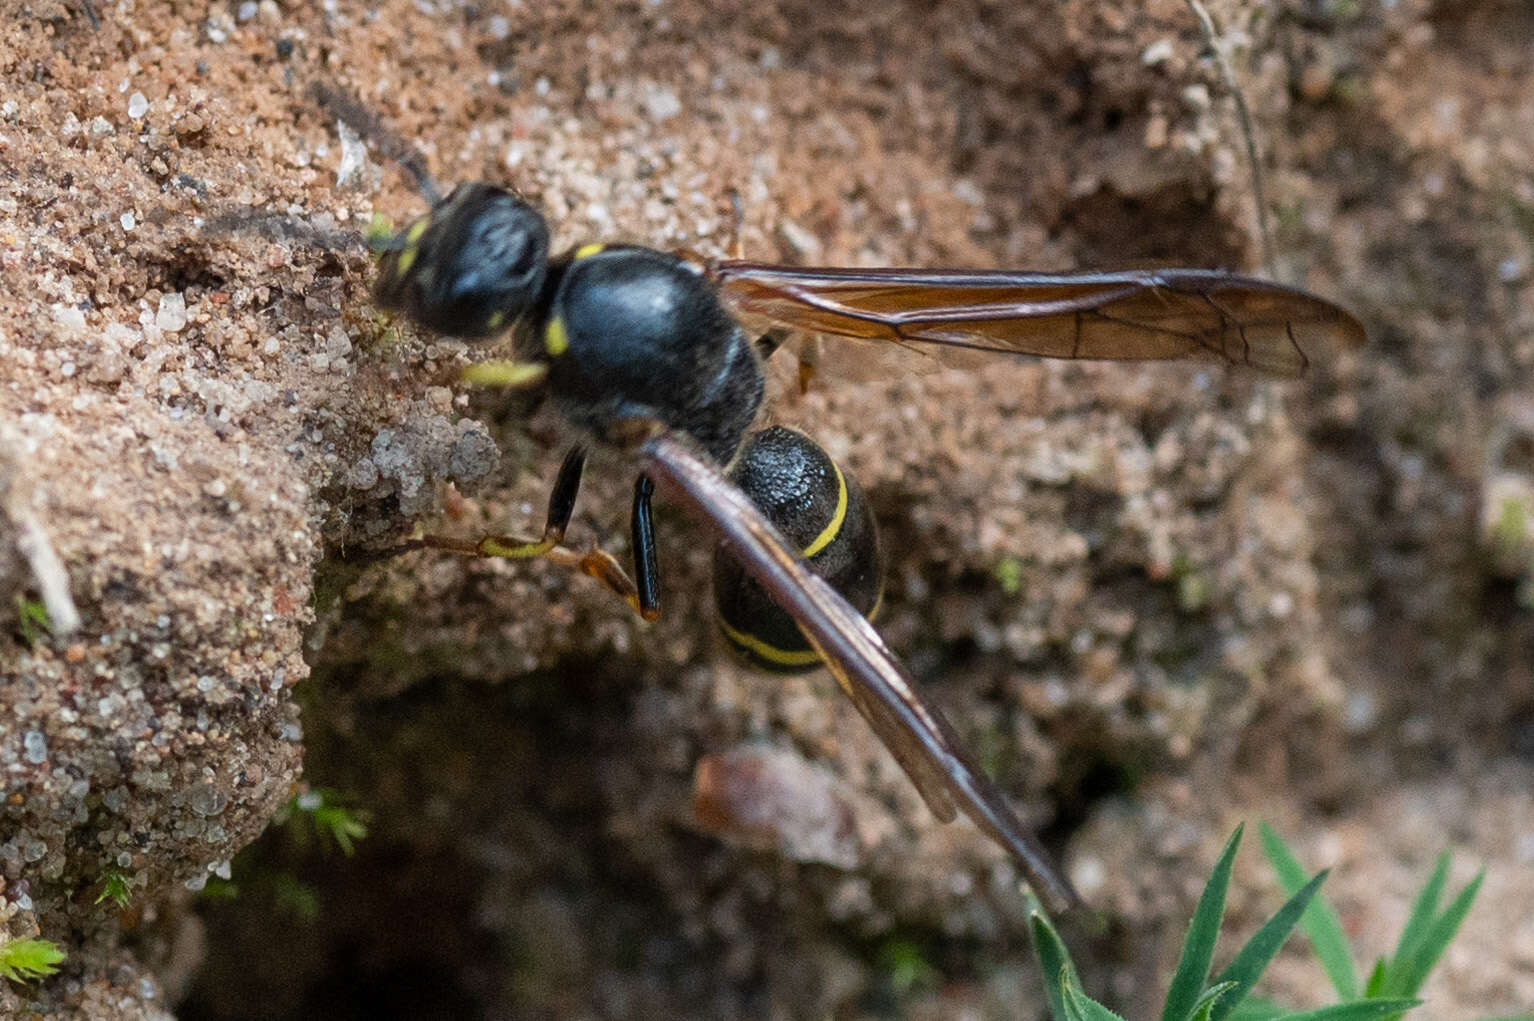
x=768, y=343
x=646, y=572
x=604, y=568
x=567, y=485
x=809, y=362
x=594, y=564
x=561, y=506
x=809, y=354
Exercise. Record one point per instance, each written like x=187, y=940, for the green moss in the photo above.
x=1290, y=218
x=1008, y=573
x=24, y=960
x=1193, y=588
x=1344, y=11
x=1350, y=90
x=32, y=621
x=218, y=891
x=905, y=966
x=330, y=820
x=1510, y=531
x=294, y=897
x=116, y=886
x=993, y=749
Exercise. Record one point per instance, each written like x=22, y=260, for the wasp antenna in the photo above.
x=248, y=220
x=349, y=110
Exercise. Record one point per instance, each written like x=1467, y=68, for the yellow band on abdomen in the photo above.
x=769, y=653
x=835, y=524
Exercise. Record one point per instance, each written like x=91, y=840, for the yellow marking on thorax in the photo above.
x=770, y=653
x=555, y=340
x=835, y=524
x=412, y=245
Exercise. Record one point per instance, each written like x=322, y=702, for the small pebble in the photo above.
x=171, y=316
x=1158, y=52
x=36, y=746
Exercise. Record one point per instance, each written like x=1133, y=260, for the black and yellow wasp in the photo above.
x=642, y=350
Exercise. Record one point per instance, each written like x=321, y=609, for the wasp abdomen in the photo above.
x=823, y=513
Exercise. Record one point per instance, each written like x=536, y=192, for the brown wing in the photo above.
x=921, y=740
x=1136, y=314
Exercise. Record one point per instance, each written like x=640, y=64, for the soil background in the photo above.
x=1158, y=601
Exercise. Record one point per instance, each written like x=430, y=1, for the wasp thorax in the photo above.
x=637, y=333
x=470, y=267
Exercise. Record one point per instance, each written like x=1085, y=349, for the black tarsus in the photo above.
x=567, y=486
x=646, y=570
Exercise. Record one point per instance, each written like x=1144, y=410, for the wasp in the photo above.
x=644, y=351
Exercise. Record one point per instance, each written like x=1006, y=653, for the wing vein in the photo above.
x=921, y=740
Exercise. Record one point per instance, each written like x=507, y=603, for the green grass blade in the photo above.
x=1198, y=945
x=1251, y=959
x=1255, y=1008
x=1322, y=926
x=1068, y=1005
x=1083, y=1006
x=1054, y=961
x=1358, y=1010
x=1376, y=984
x=1409, y=974
x=1071, y=996
x=1206, y=1001
x=1422, y=912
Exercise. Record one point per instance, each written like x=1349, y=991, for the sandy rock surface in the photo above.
x=1157, y=601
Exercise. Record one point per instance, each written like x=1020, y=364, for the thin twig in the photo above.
x=1212, y=36
x=48, y=571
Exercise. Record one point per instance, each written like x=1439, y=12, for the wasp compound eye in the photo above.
x=470, y=267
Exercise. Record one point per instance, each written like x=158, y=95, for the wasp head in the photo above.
x=470, y=267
